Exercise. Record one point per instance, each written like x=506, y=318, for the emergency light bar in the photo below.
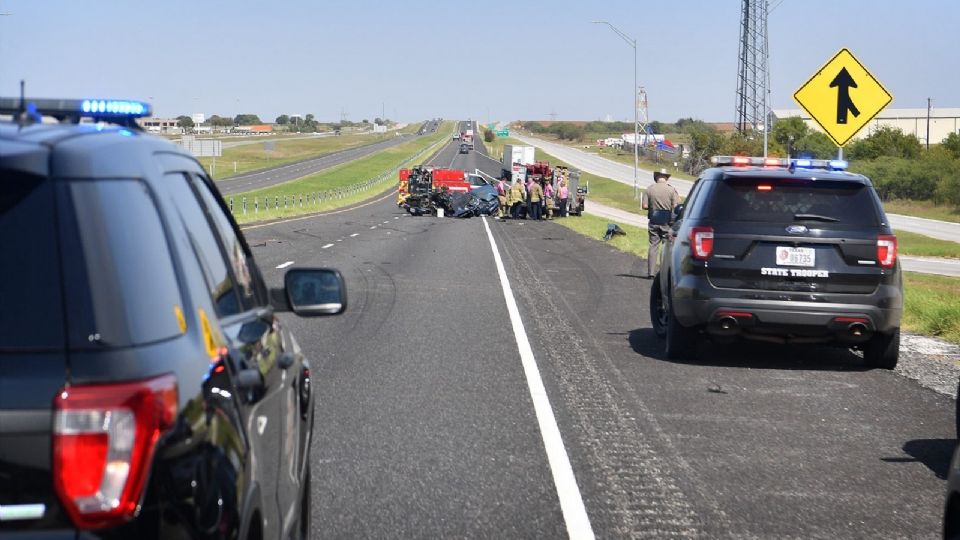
x=748, y=161
x=116, y=111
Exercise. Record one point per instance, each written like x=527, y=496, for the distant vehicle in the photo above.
x=788, y=251
x=465, y=148
x=516, y=156
x=150, y=388
x=456, y=136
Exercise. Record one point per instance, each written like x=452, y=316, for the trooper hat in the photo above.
x=661, y=174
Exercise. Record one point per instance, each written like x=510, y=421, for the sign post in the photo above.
x=842, y=97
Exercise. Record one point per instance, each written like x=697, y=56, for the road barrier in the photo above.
x=242, y=205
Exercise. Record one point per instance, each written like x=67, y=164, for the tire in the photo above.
x=681, y=341
x=658, y=312
x=883, y=350
x=306, y=522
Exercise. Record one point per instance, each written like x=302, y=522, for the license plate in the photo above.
x=794, y=256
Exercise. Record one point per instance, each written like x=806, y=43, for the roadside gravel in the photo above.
x=933, y=363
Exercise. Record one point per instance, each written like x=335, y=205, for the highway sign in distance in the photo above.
x=503, y=133
x=842, y=97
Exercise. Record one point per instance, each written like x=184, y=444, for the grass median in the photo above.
x=277, y=151
x=284, y=200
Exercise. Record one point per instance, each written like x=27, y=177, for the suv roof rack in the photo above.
x=122, y=112
x=796, y=163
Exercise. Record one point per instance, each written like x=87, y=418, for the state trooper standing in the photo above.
x=658, y=200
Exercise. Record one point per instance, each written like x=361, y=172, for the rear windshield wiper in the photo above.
x=813, y=217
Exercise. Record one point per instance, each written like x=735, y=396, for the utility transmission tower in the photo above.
x=553, y=115
x=643, y=115
x=753, y=73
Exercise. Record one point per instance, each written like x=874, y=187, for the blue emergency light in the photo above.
x=116, y=111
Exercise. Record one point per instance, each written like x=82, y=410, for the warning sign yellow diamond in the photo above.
x=843, y=97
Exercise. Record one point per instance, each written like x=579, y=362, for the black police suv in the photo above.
x=147, y=387
x=786, y=251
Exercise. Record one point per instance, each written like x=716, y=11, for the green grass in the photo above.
x=909, y=243
x=634, y=242
x=276, y=151
x=931, y=305
x=924, y=209
x=341, y=177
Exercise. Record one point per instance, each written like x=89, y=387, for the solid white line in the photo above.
x=354, y=234
x=284, y=265
x=326, y=246
x=571, y=502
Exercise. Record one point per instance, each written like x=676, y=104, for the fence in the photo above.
x=242, y=205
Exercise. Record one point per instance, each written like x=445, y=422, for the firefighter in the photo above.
x=502, y=189
x=515, y=199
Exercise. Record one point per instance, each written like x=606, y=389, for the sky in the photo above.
x=497, y=60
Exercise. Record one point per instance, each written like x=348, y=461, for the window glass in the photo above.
x=788, y=200
x=205, y=245
x=120, y=286
x=232, y=244
x=31, y=313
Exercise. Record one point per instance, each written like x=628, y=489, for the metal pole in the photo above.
x=636, y=128
x=929, y=101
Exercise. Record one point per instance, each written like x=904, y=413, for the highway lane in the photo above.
x=943, y=230
x=425, y=425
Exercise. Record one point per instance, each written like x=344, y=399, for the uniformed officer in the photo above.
x=658, y=198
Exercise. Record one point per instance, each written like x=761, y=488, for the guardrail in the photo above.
x=242, y=205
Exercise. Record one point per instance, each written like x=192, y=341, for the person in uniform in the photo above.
x=536, y=196
x=502, y=189
x=515, y=199
x=659, y=197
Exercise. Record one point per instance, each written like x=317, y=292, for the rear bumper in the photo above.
x=837, y=318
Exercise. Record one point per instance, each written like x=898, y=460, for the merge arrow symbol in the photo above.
x=843, y=82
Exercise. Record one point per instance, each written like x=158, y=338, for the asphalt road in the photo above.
x=943, y=230
x=293, y=171
x=426, y=423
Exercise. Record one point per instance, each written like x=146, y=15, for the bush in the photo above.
x=488, y=135
x=935, y=176
x=886, y=141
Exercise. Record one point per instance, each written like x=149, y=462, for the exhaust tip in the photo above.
x=728, y=323
x=857, y=329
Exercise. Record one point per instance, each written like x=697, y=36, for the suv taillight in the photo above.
x=104, y=436
x=701, y=242
x=886, y=250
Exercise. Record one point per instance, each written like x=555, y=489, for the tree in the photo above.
x=489, y=135
x=886, y=141
x=952, y=144
x=219, y=121
x=185, y=122
x=706, y=140
x=283, y=120
x=246, y=120
x=365, y=121
x=788, y=131
x=815, y=144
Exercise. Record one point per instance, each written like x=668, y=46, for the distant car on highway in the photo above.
x=464, y=148
x=783, y=251
x=456, y=136
x=150, y=389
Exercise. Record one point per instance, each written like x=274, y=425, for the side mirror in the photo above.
x=311, y=292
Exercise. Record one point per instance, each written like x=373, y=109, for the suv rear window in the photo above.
x=788, y=200
x=30, y=305
x=120, y=286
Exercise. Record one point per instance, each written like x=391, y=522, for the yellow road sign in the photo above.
x=842, y=97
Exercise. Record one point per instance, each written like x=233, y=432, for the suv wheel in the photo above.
x=681, y=341
x=883, y=350
x=658, y=312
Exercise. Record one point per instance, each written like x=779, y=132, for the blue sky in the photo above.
x=490, y=59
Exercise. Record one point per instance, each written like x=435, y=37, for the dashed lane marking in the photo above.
x=374, y=227
x=354, y=234
x=284, y=265
x=326, y=246
x=571, y=501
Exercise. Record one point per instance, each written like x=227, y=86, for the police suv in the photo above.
x=786, y=251
x=147, y=387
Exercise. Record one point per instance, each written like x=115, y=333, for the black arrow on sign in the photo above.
x=843, y=82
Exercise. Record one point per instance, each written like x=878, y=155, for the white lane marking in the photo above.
x=385, y=222
x=374, y=227
x=396, y=217
x=571, y=501
x=326, y=246
x=339, y=239
x=354, y=234
x=284, y=265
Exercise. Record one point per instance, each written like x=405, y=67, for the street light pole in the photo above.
x=636, y=120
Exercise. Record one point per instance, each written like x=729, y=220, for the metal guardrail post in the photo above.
x=244, y=205
x=231, y=205
x=256, y=205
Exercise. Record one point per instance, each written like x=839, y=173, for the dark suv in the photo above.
x=147, y=387
x=795, y=251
